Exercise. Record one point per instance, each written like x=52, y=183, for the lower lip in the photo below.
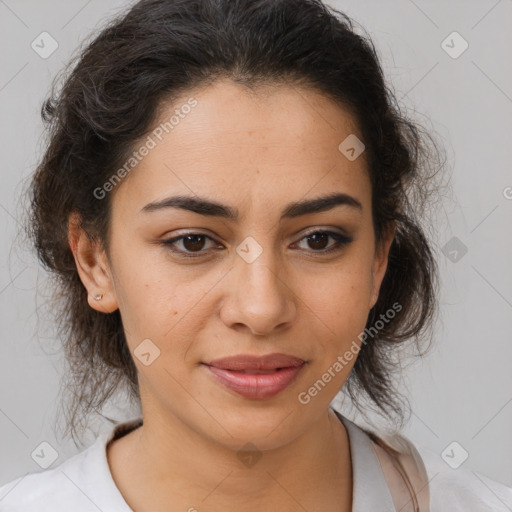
x=256, y=385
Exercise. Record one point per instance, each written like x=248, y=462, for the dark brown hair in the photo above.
x=109, y=99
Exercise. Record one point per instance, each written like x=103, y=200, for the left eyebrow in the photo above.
x=292, y=210
x=320, y=204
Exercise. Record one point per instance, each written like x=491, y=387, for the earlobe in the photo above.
x=92, y=267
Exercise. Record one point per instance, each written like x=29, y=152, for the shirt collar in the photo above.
x=370, y=490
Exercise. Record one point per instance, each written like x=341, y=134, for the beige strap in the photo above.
x=405, y=473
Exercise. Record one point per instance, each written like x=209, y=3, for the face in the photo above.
x=260, y=262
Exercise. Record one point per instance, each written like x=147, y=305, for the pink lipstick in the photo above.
x=256, y=377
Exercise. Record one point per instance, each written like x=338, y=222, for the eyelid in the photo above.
x=169, y=242
x=325, y=229
x=342, y=239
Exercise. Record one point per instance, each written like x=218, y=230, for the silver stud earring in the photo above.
x=98, y=297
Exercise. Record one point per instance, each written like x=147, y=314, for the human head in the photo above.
x=157, y=53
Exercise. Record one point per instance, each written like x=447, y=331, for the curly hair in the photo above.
x=109, y=98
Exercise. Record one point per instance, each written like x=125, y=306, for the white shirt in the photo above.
x=84, y=483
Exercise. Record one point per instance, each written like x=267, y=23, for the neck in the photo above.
x=172, y=463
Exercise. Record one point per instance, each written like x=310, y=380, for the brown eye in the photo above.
x=318, y=241
x=189, y=245
x=193, y=242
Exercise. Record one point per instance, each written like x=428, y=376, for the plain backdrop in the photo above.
x=463, y=390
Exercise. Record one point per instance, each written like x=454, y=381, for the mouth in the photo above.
x=256, y=378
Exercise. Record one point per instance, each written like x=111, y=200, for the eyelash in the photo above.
x=341, y=242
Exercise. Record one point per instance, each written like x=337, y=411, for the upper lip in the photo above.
x=249, y=362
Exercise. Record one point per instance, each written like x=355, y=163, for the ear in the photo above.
x=380, y=264
x=93, y=266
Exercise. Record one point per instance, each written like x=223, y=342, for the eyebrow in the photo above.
x=292, y=210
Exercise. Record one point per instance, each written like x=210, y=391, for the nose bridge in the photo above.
x=260, y=261
x=260, y=279
x=259, y=272
x=259, y=297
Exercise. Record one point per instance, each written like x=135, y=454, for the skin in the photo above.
x=257, y=152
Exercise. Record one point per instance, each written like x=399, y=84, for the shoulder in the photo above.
x=62, y=488
x=451, y=488
x=462, y=489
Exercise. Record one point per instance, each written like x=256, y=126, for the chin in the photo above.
x=267, y=426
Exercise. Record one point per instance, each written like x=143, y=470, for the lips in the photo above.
x=251, y=364
x=256, y=377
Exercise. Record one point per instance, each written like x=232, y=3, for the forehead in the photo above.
x=227, y=141
x=266, y=117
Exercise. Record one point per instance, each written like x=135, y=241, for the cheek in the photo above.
x=159, y=309
x=153, y=296
x=349, y=308
x=341, y=300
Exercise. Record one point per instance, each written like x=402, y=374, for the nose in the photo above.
x=258, y=298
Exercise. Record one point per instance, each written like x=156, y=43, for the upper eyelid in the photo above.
x=309, y=232
x=313, y=231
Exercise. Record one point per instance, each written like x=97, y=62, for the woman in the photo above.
x=229, y=199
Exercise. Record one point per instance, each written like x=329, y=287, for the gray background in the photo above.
x=463, y=390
